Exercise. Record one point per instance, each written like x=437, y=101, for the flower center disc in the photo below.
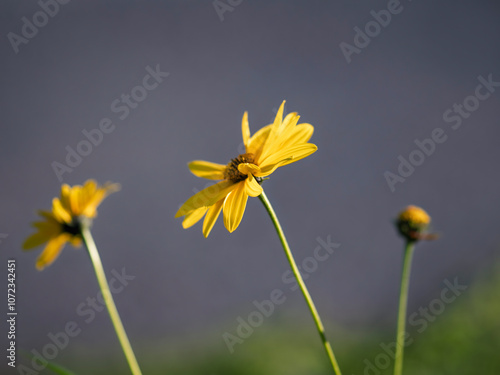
x=232, y=173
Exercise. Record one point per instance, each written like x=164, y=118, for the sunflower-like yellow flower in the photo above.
x=273, y=146
x=76, y=205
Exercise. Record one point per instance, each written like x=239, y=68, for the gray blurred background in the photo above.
x=366, y=113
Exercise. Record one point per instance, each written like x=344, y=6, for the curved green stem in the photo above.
x=302, y=285
x=403, y=302
x=108, y=299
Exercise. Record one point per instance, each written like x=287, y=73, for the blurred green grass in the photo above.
x=464, y=339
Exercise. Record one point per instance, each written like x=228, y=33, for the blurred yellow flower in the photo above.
x=273, y=146
x=412, y=223
x=63, y=224
x=415, y=215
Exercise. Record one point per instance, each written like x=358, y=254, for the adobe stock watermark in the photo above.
x=372, y=29
x=422, y=318
x=223, y=6
x=454, y=116
x=31, y=26
x=121, y=107
x=87, y=311
x=264, y=309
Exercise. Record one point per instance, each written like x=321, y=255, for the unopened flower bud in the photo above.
x=412, y=223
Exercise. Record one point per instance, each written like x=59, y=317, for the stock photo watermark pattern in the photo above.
x=11, y=312
x=454, y=116
x=122, y=108
x=86, y=311
x=367, y=79
x=264, y=309
x=363, y=37
x=420, y=319
x=223, y=6
x=31, y=26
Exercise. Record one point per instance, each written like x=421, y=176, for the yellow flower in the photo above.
x=273, y=146
x=415, y=215
x=76, y=205
x=412, y=223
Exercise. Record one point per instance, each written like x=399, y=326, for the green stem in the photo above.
x=302, y=285
x=403, y=302
x=108, y=299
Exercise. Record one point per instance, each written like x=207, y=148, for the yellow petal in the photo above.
x=234, y=207
x=88, y=192
x=36, y=240
x=278, y=120
x=47, y=226
x=252, y=187
x=289, y=122
x=301, y=133
x=208, y=170
x=75, y=200
x=211, y=218
x=276, y=141
x=75, y=241
x=248, y=168
x=278, y=133
x=65, y=193
x=60, y=214
x=286, y=129
x=256, y=143
x=96, y=196
x=48, y=215
x=52, y=251
x=111, y=187
x=245, y=129
x=207, y=197
x=270, y=168
x=295, y=153
x=90, y=187
x=193, y=217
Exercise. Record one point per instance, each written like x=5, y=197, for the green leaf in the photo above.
x=55, y=368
